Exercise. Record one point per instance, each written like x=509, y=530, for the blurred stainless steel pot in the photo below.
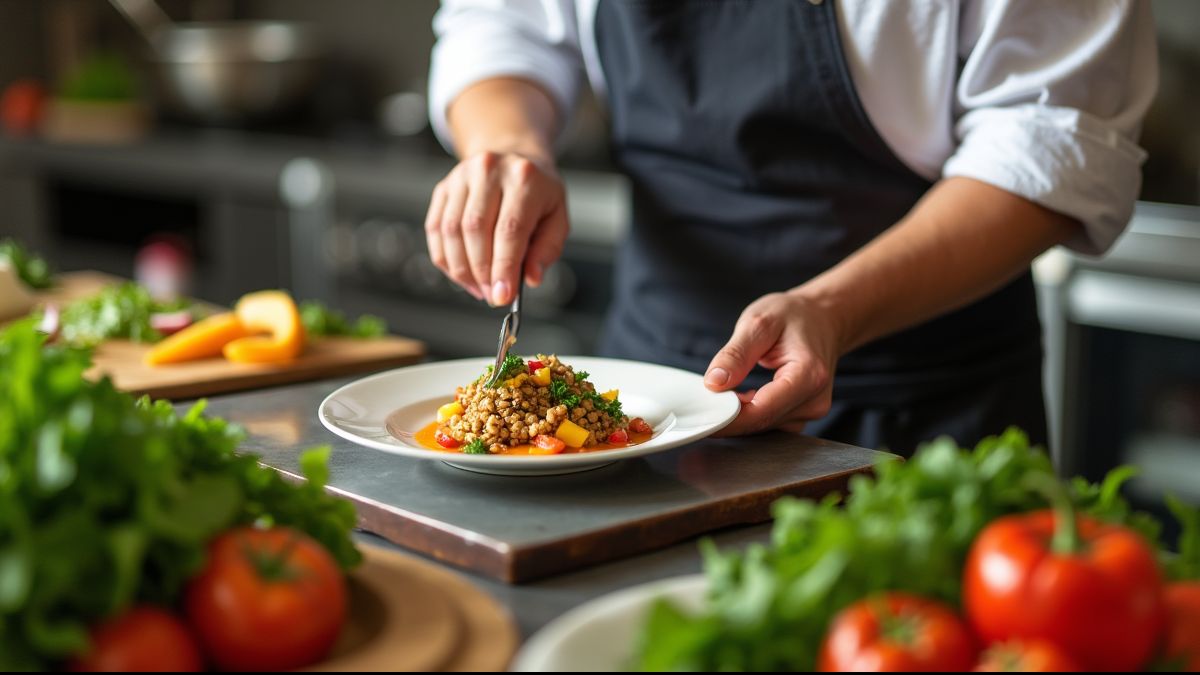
x=235, y=71
x=231, y=71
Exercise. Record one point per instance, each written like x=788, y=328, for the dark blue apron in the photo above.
x=754, y=168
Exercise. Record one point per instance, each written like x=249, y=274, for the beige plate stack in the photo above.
x=410, y=615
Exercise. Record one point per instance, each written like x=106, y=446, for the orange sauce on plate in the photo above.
x=425, y=438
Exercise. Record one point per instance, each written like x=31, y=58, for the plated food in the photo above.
x=396, y=412
x=540, y=406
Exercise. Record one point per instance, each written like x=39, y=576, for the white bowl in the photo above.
x=600, y=636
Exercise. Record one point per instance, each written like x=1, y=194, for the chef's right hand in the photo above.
x=494, y=217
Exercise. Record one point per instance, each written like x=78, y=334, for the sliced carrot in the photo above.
x=274, y=313
x=204, y=339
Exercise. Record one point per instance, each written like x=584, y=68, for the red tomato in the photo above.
x=638, y=426
x=21, y=107
x=1035, y=656
x=897, y=632
x=267, y=600
x=535, y=366
x=144, y=639
x=619, y=436
x=546, y=445
x=1100, y=603
x=445, y=440
x=1183, y=624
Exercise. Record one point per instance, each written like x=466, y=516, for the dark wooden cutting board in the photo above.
x=521, y=528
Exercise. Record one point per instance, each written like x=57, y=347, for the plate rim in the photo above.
x=532, y=654
x=507, y=461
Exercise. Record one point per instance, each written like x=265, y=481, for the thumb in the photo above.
x=753, y=336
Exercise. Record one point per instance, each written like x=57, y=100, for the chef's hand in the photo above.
x=795, y=337
x=497, y=215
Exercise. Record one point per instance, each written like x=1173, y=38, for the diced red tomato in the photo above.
x=638, y=426
x=534, y=366
x=546, y=445
x=445, y=440
x=618, y=436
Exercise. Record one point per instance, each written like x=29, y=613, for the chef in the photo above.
x=835, y=202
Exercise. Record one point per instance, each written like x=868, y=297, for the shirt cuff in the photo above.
x=1060, y=158
x=479, y=52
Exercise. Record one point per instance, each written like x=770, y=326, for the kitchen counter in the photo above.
x=283, y=420
x=537, y=603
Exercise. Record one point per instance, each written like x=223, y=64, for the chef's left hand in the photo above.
x=793, y=336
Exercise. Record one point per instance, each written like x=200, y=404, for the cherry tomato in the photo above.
x=270, y=599
x=638, y=426
x=445, y=440
x=546, y=445
x=143, y=639
x=619, y=436
x=1034, y=656
x=535, y=366
x=897, y=632
x=1183, y=624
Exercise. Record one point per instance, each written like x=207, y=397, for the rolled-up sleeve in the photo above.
x=536, y=40
x=1049, y=105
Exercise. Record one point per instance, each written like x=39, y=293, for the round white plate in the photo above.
x=385, y=411
x=600, y=636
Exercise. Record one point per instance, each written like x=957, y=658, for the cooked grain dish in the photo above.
x=541, y=402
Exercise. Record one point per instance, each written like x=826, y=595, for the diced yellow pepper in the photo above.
x=572, y=434
x=541, y=376
x=610, y=395
x=449, y=410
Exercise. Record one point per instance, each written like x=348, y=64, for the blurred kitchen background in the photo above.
x=295, y=152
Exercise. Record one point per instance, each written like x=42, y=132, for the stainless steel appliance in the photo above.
x=1124, y=339
x=227, y=71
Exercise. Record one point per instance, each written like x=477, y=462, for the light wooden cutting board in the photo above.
x=322, y=358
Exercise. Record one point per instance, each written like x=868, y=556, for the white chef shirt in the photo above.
x=1042, y=98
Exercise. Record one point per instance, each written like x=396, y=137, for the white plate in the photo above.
x=601, y=635
x=385, y=411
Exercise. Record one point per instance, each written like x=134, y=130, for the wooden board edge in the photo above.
x=549, y=558
x=262, y=379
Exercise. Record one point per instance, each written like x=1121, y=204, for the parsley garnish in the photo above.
x=561, y=392
x=613, y=407
x=475, y=447
x=512, y=366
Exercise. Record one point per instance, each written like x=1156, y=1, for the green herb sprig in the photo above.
x=32, y=270
x=320, y=320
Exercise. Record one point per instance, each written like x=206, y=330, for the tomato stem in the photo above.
x=1066, y=540
x=900, y=628
x=273, y=565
